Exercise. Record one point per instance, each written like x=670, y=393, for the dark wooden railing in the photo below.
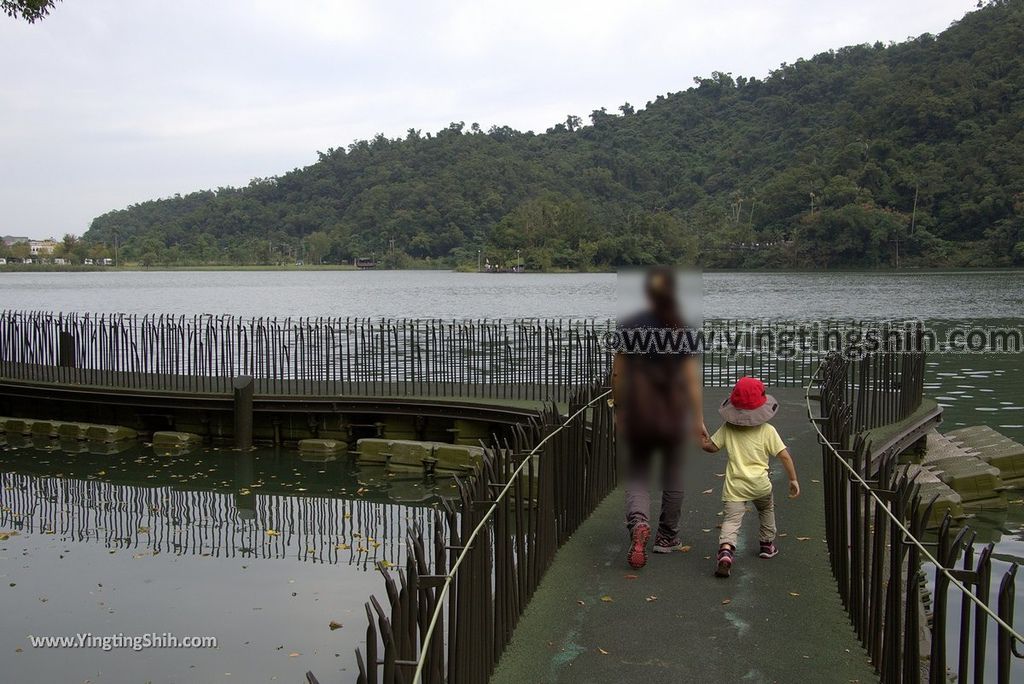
x=875, y=529
x=523, y=359
x=450, y=620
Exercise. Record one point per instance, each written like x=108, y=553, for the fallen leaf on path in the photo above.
x=706, y=530
x=631, y=577
x=719, y=474
x=726, y=602
x=581, y=603
x=294, y=654
x=685, y=549
x=651, y=598
x=803, y=538
x=707, y=491
x=793, y=593
x=602, y=651
x=607, y=599
x=334, y=625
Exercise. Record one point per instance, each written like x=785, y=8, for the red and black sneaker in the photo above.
x=663, y=544
x=768, y=550
x=724, y=567
x=637, y=556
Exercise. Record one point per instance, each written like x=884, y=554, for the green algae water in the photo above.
x=271, y=555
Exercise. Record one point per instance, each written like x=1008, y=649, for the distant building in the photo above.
x=13, y=240
x=39, y=247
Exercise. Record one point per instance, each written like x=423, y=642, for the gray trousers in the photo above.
x=639, y=464
x=732, y=518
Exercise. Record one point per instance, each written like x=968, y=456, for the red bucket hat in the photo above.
x=748, y=404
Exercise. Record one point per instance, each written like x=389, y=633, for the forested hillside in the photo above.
x=860, y=156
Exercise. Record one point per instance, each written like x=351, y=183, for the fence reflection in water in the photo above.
x=164, y=519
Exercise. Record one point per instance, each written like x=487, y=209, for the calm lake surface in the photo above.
x=439, y=294
x=134, y=543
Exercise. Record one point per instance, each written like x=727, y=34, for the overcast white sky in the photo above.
x=108, y=102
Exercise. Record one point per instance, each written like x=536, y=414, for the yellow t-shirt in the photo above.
x=749, y=448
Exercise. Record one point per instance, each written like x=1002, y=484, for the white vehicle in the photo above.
x=2, y=261
x=88, y=262
x=107, y=262
x=26, y=261
x=58, y=261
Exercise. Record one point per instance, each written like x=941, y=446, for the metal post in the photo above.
x=243, y=387
x=66, y=350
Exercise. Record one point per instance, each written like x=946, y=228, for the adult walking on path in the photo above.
x=656, y=389
x=593, y=620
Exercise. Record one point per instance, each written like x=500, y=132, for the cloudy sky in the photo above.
x=106, y=102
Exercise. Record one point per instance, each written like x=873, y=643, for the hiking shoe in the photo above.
x=768, y=550
x=666, y=544
x=724, y=567
x=637, y=556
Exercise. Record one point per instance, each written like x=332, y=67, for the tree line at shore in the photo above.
x=869, y=156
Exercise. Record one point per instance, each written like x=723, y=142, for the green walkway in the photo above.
x=594, y=619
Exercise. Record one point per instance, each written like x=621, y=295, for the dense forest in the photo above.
x=909, y=154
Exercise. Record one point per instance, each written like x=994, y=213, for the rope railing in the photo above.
x=886, y=620
x=450, y=575
x=449, y=615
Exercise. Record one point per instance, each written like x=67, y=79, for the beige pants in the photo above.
x=732, y=518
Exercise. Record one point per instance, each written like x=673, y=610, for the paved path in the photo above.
x=594, y=619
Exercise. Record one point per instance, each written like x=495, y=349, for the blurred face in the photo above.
x=658, y=287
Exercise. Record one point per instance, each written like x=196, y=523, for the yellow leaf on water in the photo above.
x=334, y=625
x=343, y=547
x=273, y=533
x=385, y=564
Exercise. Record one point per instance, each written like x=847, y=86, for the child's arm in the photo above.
x=787, y=464
x=707, y=445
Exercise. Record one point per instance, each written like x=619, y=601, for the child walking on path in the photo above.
x=750, y=441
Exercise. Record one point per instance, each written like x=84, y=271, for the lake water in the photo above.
x=127, y=543
x=262, y=551
x=929, y=295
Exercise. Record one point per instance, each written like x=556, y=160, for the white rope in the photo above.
x=468, y=543
x=899, y=523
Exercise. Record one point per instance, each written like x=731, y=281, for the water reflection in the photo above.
x=215, y=503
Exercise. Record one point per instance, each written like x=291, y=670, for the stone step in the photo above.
x=994, y=448
x=978, y=483
x=409, y=456
x=66, y=430
x=946, y=499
